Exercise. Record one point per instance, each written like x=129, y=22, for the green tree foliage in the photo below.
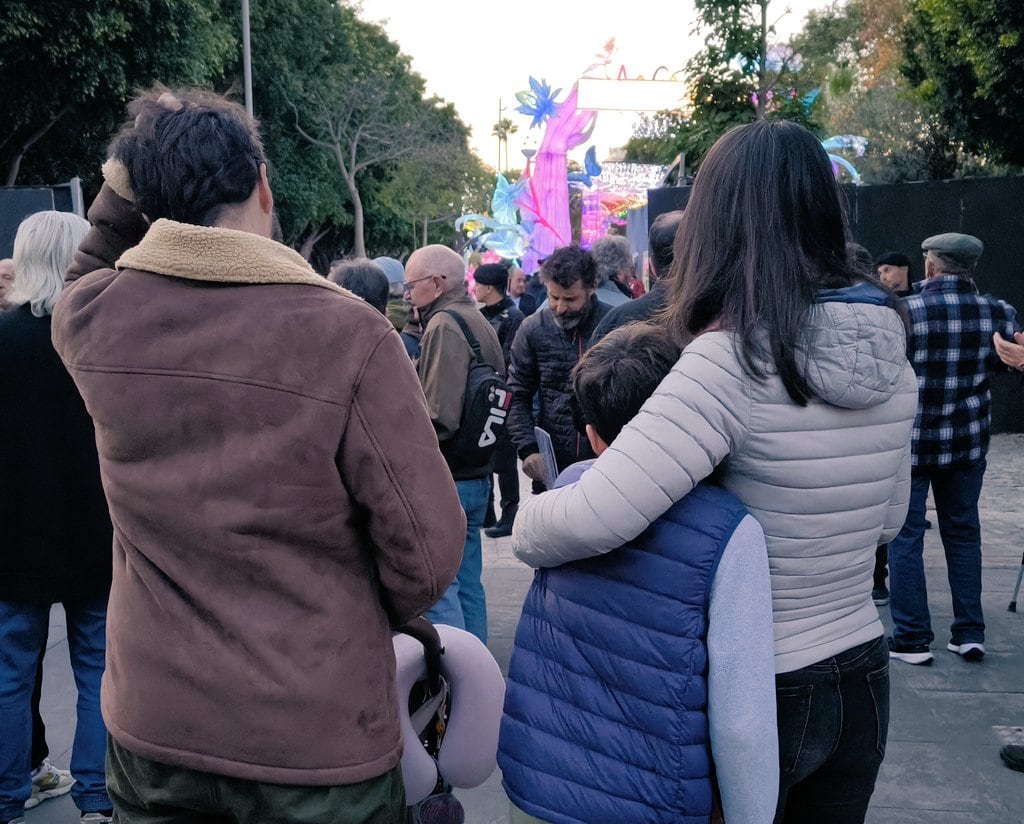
x=430, y=192
x=345, y=116
x=966, y=59
x=293, y=44
x=853, y=52
x=738, y=77
x=67, y=67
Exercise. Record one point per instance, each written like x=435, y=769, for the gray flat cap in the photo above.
x=955, y=247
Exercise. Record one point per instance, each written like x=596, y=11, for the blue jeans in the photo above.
x=23, y=632
x=463, y=604
x=833, y=727
x=956, y=494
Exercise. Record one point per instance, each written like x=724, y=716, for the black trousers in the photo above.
x=506, y=467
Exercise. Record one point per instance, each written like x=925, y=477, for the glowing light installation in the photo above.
x=544, y=202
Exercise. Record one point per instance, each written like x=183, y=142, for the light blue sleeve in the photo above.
x=741, y=680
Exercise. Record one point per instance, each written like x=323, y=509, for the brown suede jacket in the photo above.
x=278, y=498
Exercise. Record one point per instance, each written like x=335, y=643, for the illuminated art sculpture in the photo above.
x=845, y=141
x=544, y=201
x=541, y=195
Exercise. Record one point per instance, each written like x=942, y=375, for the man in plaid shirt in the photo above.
x=952, y=350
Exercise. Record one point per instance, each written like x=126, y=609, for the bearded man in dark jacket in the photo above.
x=546, y=348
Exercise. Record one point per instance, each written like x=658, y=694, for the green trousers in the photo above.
x=146, y=792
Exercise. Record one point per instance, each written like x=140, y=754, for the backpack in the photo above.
x=485, y=407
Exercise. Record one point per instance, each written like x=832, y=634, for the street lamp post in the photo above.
x=501, y=132
x=246, y=57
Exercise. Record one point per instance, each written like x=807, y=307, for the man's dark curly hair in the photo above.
x=569, y=264
x=187, y=164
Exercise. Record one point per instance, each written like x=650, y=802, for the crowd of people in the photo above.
x=728, y=471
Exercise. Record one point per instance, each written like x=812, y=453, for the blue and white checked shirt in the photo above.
x=950, y=348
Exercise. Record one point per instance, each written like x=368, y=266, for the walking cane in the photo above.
x=1016, y=589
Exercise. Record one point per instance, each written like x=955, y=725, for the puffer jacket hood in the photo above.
x=853, y=349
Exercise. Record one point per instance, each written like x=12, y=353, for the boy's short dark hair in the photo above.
x=618, y=374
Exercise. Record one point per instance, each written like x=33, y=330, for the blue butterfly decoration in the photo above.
x=847, y=141
x=591, y=167
x=504, y=200
x=807, y=101
x=539, y=102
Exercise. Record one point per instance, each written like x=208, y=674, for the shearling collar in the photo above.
x=218, y=255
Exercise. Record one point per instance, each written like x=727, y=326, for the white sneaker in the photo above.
x=48, y=782
x=96, y=818
x=969, y=651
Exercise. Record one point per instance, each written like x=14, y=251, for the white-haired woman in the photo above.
x=57, y=533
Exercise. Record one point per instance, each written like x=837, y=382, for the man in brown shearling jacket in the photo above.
x=277, y=507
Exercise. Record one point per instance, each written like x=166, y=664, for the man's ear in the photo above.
x=596, y=441
x=263, y=186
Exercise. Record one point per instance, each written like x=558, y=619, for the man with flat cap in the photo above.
x=951, y=348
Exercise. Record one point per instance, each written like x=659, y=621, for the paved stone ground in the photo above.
x=948, y=720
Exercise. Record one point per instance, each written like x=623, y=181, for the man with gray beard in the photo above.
x=546, y=348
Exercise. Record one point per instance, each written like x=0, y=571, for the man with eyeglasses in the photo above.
x=435, y=285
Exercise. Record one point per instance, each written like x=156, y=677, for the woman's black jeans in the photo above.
x=833, y=724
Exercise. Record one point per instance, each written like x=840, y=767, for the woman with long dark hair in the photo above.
x=794, y=380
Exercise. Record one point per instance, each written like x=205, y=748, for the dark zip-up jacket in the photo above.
x=543, y=355
x=506, y=319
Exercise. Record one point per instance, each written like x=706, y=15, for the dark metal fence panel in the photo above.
x=897, y=217
x=18, y=202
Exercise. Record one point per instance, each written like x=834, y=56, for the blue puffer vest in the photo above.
x=606, y=707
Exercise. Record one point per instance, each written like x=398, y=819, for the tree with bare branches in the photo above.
x=367, y=123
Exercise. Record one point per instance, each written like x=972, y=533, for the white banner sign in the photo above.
x=630, y=95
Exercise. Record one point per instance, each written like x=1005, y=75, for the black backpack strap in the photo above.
x=474, y=344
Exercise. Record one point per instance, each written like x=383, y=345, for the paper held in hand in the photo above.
x=547, y=454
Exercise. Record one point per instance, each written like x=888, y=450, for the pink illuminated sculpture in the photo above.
x=544, y=201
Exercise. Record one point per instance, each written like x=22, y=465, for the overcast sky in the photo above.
x=475, y=54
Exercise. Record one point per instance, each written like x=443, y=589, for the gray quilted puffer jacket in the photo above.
x=828, y=481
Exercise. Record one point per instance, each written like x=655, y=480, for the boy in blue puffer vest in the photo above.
x=642, y=682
